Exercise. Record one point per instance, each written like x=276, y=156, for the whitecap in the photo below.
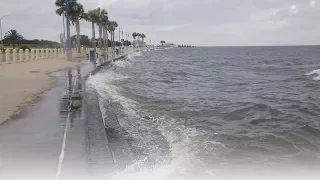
x=316, y=73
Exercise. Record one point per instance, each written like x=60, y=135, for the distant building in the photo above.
x=170, y=45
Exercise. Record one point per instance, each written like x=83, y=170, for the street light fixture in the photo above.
x=1, y=30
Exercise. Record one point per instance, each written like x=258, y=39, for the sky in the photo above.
x=194, y=22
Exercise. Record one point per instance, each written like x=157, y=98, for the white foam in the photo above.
x=314, y=72
x=133, y=54
x=185, y=143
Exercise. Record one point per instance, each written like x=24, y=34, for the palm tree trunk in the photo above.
x=78, y=35
x=107, y=42
x=142, y=43
x=104, y=41
x=113, y=47
x=134, y=44
x=94, y=37
x=100, y=37
x=114, y=41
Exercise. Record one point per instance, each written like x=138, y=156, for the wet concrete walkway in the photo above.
x=50, y=142
x=31, y=145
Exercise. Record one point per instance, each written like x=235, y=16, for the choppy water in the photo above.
x=217, y=112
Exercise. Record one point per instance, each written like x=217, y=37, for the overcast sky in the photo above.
x=195, y=22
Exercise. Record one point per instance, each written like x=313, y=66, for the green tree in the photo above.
x=112, y=25
x=162, y=42
x=134, y=35
x=102, y=20
x=138, y=35
x=142, y=37
x=76, y=13
x=13, y=37
x=93, y=17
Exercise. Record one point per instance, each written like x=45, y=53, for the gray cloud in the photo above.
x=197, y=22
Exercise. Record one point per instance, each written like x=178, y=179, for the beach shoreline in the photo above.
x=22, y=84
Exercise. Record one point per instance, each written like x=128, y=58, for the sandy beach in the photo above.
x=22, y=83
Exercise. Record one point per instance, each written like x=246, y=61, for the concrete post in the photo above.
x=42, y=54
x=21, y=55
x=47, y=53
x=31, y=54
x=14, y=55
x=82, y=51
x=54, y=53
x=41, y=51
x=26, y=54
x=0, y=57
x=51, y=53
x=7, y=56
x=37, y=54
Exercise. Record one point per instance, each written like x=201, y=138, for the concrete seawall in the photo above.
x=108, y=130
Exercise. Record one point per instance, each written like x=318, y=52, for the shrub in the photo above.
x=24, y=47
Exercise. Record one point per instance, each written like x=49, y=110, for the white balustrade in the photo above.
x=21, y=54
x=26, y=54
x=47, y=54
x=37, y=54
x=42, y=54
x=14, y=55
x=7, y=56
x=32, y=54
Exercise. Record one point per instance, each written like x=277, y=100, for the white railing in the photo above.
x=15, y=56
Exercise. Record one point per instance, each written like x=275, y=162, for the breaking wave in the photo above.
x=315, y=73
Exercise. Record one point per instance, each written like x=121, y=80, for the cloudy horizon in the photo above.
x=200, y=23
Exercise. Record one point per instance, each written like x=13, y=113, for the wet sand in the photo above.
x=22, y=83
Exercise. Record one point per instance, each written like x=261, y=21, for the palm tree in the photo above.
x=111, y=29
x=134, y=35
x=103, y=18
x=105, y=36
x=93, y=17
x=162, y=42
x=76, y=13
x=13, y=37
x=138, y=35
x=112, y=25
x=142, y=37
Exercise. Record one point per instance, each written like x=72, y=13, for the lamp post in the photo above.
x=119, y=40
x=1, y=30
x=122, y=40
x=105, y=39
x=68, y=41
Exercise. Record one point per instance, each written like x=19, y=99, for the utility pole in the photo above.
x=1, y=31
x=68, y=42
x=119, y=41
